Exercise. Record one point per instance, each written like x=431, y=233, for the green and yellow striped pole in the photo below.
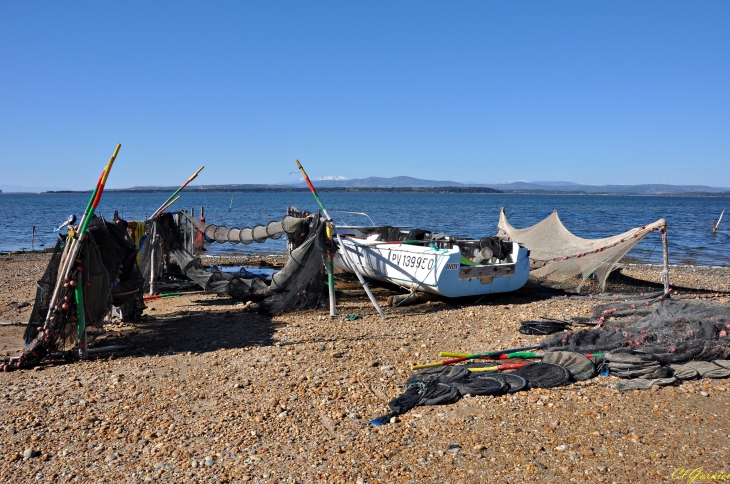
x=339, y=240
x=169, y=201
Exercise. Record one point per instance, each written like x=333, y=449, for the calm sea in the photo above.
x=689, y=220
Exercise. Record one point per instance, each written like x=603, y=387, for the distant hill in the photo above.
x=410, y=184
x=392, y=182
x=647, y=189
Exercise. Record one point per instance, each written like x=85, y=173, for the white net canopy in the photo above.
x=558, y=255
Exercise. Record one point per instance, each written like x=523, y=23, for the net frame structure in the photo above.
x=558, y=255
x=196, y=232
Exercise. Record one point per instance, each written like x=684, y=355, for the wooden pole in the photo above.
x=331, y=272
x=152, y=258
x=339, y=240
x=665, y=272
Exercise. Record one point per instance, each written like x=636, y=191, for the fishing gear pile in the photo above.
x=644, y=345
x=447, y=384
x=106, y=267
x=299, y=285
x=673, y=331
x=165, y=262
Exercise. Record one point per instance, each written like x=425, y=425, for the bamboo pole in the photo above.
x=331, y=272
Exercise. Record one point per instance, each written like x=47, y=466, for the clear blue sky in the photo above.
x=589, y=92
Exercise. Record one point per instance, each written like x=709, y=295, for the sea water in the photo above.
x=689, y=219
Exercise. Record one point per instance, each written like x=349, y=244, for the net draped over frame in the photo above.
x=558, y=255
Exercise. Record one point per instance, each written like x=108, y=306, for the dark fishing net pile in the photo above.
x=301, y=283
x=447, y=384
x=106, y=267
x=672, y=331
x=165, y=263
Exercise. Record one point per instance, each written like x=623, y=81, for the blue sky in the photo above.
x=589, y=92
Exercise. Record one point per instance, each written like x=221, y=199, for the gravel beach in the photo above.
x=208, y=391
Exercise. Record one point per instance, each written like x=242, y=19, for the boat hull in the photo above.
x=433, y=270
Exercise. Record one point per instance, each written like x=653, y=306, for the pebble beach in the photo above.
x=206, y=390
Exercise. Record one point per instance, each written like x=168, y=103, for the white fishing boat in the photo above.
x=437, y=264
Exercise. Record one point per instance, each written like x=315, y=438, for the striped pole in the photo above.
x=339, y=240
x=168, y=201
x=77, y=237
x=473, y=356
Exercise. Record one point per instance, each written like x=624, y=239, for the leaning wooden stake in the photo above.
x=665, y=272
x=339, y=240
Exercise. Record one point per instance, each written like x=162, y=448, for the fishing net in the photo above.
x=671, y=331
x=444, y=374
x=708, y=369
x=543, y=327
x=290, y=224
x=209, y=232
x=246, y=236
x=514, y=383
x=442, y=385
x=221, y=234
x=579, y=366
x=419, y=393
x=259, y=234
x=558, y=255
x=274, y=230
x=684, y=372
x=644, y=383
x=106, y=269
x=234, y=236
x=543, y=375
x=165, y=262
x=300, y=284
x=480, y=386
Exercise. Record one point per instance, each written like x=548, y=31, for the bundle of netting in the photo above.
x=672, y=331
x=301, y=284
x=105, y=268
x=558, y=255
x=164, y=262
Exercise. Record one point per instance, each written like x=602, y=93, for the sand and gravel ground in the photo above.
x=209, y=392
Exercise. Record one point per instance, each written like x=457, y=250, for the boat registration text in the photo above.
x=412, y=260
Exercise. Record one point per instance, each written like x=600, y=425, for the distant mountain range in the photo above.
x=407, y=183
x=520, y=186
x=568, y=187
